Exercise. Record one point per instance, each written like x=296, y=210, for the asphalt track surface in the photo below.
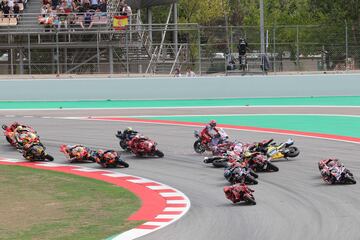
x=293, y=203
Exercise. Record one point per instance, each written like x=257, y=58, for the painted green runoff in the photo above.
x=338, y=125
x=101, y=104
x=42, y=204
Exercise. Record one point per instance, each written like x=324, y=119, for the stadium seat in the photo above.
x=12, y=21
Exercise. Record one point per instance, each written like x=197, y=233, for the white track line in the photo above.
x=187, y=107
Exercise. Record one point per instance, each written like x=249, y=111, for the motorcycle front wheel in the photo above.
x=272, y=167
x=199, y=147
x=49, y=157
x=159, y=153
x=249, y=199
x=123, y=163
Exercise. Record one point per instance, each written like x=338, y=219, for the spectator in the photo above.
x=177, y=73
x=76, y=6
x=230, y=60
x=44, y=11
x=16, y=10
x=6, y=10
x=62, y=18
x=86, y=5
x=11, y=4
x=54, y=4
x=103, y=6
x=87, y=20
x=96, y=17
x=242, y=47
x=94, y=4
x=127, y=10
x=190, y=73
x=121, y=6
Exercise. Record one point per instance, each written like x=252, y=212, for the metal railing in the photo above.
x=207, y=50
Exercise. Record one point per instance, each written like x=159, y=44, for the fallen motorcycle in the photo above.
x=259, y=162
x=284, y=150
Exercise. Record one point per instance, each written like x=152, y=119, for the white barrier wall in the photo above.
x=180, y=88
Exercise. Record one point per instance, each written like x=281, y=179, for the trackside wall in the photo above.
x=180, y=88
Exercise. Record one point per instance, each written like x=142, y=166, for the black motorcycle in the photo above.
x=124, y=138
x=36, y=152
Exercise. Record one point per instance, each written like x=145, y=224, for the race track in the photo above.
x=293, y=203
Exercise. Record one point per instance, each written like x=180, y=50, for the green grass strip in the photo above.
x=39, y=204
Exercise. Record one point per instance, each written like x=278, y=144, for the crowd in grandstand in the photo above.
x=11, y=9
x=83, y=13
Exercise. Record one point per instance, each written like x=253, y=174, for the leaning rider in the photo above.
x=129, y=133
x=210, y=132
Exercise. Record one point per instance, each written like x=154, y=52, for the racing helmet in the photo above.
x=128, y=129
x=212, y=123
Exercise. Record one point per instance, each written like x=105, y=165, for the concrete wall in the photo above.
x=181, y=88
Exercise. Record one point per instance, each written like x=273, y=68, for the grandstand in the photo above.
x=56, y=39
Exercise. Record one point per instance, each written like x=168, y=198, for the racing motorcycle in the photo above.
x=15, y=138
x=77, y=153
x=143, y=146
x=223, y=160
x=202, y=144
x=110, y=159
x=239, y=175
x=284, y=150
x=9, y=135
x=124, y=139
x=239, y=192
x=36, y=152
x=259, y=162
x=337, y=175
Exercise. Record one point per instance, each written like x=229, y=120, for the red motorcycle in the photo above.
x=77, y=153
x=9, y=135
x=239, y=192
x=259, y=162
x=203, y=144
x=14, y=134
x=143, y=146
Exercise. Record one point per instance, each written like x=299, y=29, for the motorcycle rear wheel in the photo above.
x=251, y=180
x=199, y=147
x=272, y=167
x=293, y=152
x=220, y=163
x=123, y=145
x=250, y=200
x=252, y=173
x=159, y=153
